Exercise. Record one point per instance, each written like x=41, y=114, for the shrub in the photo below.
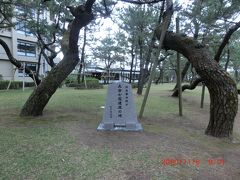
x=134, y=85
x=92, y=83
x=29, y=84
x=14, y=84
x=72, y=78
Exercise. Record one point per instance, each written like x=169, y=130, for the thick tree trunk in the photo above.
x=222, y=88
x=41, y=95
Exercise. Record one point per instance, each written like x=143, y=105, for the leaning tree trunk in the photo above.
x=41, y=95
x=222, y=88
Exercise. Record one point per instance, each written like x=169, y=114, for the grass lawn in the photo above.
x=64, y=143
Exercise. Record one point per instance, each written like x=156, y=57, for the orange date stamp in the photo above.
x=191, y=162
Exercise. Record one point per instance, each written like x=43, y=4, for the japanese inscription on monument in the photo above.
x=119, y=112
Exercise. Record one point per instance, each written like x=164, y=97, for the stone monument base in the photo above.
x=113, y=127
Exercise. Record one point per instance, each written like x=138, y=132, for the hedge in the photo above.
x=15, y=84
x=92, y=83
x=72, y=78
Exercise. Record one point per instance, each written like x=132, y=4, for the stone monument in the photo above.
x=119, y=113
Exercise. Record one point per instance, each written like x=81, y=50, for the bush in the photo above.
x=92, y=83
x=29, y=84
x=134, y=85
x=72, y=78
x=15, y=84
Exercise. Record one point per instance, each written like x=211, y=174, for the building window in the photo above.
x=31, y=66
x=26, y=49
x=21, y=28
x=25, y=11
x=23, y=14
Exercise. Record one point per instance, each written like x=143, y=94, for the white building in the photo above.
x=23, y=46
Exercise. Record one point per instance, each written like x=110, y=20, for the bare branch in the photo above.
x=226, y=40
x=16, y=63
x=5, y=18
x=191, y=86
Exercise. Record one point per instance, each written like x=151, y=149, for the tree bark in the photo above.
x=222, y=88
x=41, y=95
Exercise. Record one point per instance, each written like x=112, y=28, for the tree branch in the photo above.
x=5, y=18
x=226, y=40
x=16, y=63
x=88, y=6
x=216, y=57
x=191, y=86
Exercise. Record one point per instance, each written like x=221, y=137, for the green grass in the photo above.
x=38, y=148
x=158, y=105
x=45, y=148
x=47, y=152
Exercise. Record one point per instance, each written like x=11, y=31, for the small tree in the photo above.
x=109, y=52
x=136, y=21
